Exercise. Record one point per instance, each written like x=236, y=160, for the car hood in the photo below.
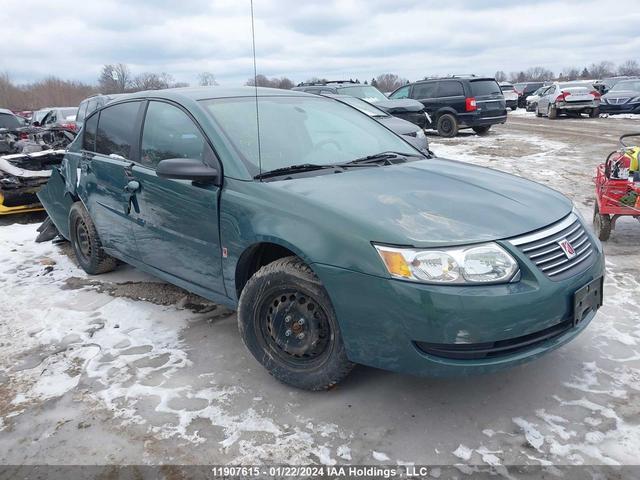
x=402, y=105
x=432, y=202
x=398, y=125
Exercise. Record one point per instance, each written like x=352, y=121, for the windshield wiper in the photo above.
x=303, y=167
x=384, y=157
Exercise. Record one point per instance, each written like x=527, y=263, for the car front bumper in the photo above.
x=629, y=107
x=385, y=323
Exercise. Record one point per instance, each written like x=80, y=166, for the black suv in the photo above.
x=406, y=109
x=525, y=89
x=458, y=102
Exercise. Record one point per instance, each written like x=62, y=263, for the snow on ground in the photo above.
x=122, y=355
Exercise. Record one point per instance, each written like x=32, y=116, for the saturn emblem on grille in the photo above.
x=567, y=248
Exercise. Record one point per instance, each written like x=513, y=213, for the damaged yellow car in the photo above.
x=27, y=155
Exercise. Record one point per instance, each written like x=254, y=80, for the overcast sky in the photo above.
x=302, y=38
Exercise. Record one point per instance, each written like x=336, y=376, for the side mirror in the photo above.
x=36, y=123
x=187, y=169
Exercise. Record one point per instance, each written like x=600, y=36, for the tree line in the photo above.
x=594, y=71
x=118, y=78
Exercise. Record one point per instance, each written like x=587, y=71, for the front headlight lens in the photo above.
x=486, y=263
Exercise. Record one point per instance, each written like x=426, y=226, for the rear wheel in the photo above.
x=483, y=130
x=86, y=242
x=447, y=125
x=553, y=112
x=601, y=224
x=287, y=322
x=594, y=113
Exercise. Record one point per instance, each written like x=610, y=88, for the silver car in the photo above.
x=573, y=97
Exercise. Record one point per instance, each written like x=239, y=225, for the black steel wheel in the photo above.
x=287, y=322
x=86, y=242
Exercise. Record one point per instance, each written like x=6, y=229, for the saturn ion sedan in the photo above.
x=337, y=241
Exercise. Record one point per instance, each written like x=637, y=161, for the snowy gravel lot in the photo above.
x=123, y=368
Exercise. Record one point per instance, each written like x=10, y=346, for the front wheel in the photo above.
x=483, y=130
x=538, y=113
x=447, y=125
x=601, y=224
x=287, y=322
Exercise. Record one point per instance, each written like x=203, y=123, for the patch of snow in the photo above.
x=463, y=452
x=379, y=456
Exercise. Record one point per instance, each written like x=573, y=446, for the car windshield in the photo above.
x=361, y=105
x=9, y=121
x=620, y=86
x=299, y=130
x=365, y=92
x=484, y=87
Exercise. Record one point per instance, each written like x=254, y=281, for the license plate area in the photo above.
x=587, y=299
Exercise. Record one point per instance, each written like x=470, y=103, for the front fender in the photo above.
x=252, y=213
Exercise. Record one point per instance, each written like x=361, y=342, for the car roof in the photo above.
x=207, y=93
x=471, y=79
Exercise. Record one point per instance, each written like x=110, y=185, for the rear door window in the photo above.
x=116, y=129
x=169, y=132
x=90, y=129
x=484, y=87
x=425, y=90
x=450, y=89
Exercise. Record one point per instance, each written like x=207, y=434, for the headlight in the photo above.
x=486, y=263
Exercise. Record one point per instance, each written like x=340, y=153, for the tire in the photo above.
x=538, y=114
x=513, y=109
x=86, y=242
x=483, y=130
x=553, y=113
x=594, y=113
x=601, y=224
x=447, y=125
x=271, y=301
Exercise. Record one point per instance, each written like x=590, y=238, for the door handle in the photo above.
x=132, y=187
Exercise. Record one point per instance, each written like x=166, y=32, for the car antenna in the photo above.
x=255, y=86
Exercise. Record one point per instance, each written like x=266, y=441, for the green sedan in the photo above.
x=336, y=240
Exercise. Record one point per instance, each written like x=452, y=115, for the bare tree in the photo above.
x=500, y=76
x=50, y=91
x=262, y=81
x=570, y=73
x=207, y=79
x=585, y=73
x=630, y=67
x=538, y=74
x=388, y=82
x=115, y=78
x=602, y=69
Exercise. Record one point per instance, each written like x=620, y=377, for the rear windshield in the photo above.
x=484, y=87
x=365, y=92
x=506, y=88
x=9, y=121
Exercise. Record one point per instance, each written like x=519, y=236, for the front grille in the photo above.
x=473, y=351
x=617, y=101
x=544, y=250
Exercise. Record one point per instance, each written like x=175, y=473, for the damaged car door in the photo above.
x=177, y=220
x=104, y=184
